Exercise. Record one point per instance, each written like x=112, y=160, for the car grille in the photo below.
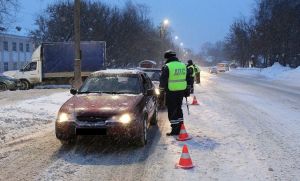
x=91, y=119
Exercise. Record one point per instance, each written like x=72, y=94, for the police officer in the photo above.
x=191, y=78
x=173, y=81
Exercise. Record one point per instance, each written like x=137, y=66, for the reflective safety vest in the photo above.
x=194, y=70
x=177, y=76
x=197, y=69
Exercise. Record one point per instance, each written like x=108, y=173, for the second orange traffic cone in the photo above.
x=183, y=135
x=195, y=102
x=185, y=160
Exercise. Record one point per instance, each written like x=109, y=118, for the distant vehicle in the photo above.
x=147, y=64
x=213, y=70
x=233, y=66
x=154, y=74
x=53, y=63
x=8, y=83
x=222, y=67
x=110, y=102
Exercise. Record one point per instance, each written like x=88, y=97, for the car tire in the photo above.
x=154, y=117
x=3, y=87
x=25, y=85
x=142, y=138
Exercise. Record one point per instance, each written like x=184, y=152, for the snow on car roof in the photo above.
x=118, y=71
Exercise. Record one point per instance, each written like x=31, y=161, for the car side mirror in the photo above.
x=150, y=92
x=73, y=91
x=21, y=70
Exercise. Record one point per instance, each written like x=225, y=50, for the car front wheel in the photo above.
x=154, y=117
x=3, y=87
x=142, y=138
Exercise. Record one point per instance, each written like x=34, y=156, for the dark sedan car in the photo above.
x=110, y=102
x=8, y=83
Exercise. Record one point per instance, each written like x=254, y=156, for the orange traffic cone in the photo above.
x=195, y=102
x=185, y=160
x=183, y=135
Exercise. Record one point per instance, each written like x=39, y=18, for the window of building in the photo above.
x=21, y=48
x=27, y=47
x=14, y=46
x=15, y=65
x=5, y=46
x=5, y=66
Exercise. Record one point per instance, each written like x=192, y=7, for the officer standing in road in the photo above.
x=173, y=82
x=191, y=79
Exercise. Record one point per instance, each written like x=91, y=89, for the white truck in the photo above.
x=222, y=67
x=53, y=63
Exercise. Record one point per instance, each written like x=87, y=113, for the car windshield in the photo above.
x=153, y=75
x=112, y=84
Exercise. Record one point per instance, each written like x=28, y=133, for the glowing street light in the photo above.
x=166, y=22
x=176, y=37
x=181, y=44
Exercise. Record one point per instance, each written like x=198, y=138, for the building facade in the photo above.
x=15, y=51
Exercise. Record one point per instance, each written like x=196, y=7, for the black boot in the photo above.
x=177, y=128
x=173, y=131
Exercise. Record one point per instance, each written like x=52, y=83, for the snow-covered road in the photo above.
x=242, y=130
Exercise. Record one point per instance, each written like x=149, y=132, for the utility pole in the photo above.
x=77, y=62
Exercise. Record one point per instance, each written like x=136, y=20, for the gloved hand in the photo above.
x=187, y=91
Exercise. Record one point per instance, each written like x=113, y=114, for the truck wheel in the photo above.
x=3, y=87
x=25, y=85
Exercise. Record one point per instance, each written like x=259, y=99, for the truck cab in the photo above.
x=30, y=74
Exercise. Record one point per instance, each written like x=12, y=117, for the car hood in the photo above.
x=104, y=105
x=10, y=73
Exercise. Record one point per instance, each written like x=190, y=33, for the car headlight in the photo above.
x=64, y=117
x=125, y=118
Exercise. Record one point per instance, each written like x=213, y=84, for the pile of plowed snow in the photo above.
x=275, y=72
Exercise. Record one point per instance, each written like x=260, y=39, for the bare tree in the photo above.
x=8, y=9
x=128, y=31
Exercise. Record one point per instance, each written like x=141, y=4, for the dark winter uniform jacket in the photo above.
x=190, y=79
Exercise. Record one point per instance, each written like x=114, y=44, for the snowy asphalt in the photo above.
x=242, y=130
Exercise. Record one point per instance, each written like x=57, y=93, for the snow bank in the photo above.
x=29, y=116
x=276, y=72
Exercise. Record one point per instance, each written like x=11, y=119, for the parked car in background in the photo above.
x=110, y=102
x=154, y=74
x=222, y=67
x=233, y=66
x=8, y=83
x=213, y=70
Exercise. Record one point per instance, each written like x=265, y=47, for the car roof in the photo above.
x=150, y=69
x=117, y=71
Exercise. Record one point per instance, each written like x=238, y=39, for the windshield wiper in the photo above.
x=88, y=92
x=110, y=92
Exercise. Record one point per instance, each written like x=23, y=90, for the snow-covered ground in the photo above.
x=242, y=130
x=21, y=118
x=277, y=73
